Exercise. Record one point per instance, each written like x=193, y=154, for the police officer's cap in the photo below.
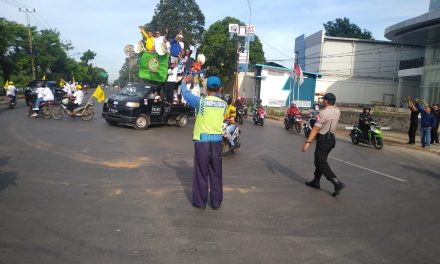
x=214, y=83
x=331, y=98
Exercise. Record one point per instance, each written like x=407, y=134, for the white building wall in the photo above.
x=272, y=93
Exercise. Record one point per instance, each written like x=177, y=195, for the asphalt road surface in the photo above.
x=74, y=191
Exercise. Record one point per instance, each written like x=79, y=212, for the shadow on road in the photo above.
x=6, y=178
x=184, y=174
x=422, y=171
x=274, y=165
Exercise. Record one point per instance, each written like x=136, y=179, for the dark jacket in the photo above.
x=428, y=119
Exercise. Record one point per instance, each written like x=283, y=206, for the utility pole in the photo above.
x=27, y=12
x=248, y=49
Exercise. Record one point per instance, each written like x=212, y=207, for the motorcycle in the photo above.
x=86, y=112
x=259, y=115
x=236, y=135
x=308, y=126
x=245, y=109
x=46, y=107
x=297, y=123
x=374, y=136
x=12, y=101
x=240, y=115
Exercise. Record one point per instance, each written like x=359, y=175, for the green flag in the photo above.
x=153, y=67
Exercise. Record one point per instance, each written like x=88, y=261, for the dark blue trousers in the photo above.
x=207, y=173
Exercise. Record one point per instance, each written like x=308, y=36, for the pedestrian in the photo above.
x=207, y=136
x=414, y=121
x=434, y=131
x=427, y=122
x=324, y=131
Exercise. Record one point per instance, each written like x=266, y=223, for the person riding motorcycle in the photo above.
x=44, y=94
x=76, y=100
x=11, y=91
x=256, y=107
x=364, y=121
x=230, y=115
x=292, y=111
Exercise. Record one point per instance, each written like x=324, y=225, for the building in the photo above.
x=275, y=87
x=423, y=71
x=357, y=71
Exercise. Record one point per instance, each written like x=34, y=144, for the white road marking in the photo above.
x=370, y=170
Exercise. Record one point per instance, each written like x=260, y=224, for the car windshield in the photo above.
x=139, y=91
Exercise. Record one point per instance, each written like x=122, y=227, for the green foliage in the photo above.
x=341, y=27
x=178, y=16
x=50, y=56
x=221, y=51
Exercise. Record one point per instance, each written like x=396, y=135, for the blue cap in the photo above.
x=214, y=83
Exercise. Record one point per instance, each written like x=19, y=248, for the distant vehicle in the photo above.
x=34, y=85
x=139, y=105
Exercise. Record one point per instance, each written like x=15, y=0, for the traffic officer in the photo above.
x=207, y=135
x=324, y=131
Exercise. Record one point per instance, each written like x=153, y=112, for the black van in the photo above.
x=139, y=105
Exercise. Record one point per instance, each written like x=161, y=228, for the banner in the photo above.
x=153, y=67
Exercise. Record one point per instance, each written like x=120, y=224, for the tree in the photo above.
x=178, y=16
x=341, y=27
x=87, y=56
x=221, y=51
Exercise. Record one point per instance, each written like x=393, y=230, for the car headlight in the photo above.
x=132, y=104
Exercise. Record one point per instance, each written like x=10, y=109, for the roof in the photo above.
x=372, y=41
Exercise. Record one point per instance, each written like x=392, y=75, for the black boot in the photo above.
x=314, y=183
x=338, y=186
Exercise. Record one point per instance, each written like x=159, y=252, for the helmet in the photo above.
x=214, y=83
x=367, y=108
x=238, y=100
x=11, y=82
x=292, y=104
x=227, y=98
x=201, y=58
x=78, y=86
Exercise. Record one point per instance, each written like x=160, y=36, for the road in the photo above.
x=74, y=191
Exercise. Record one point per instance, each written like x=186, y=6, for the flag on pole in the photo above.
x=61, y=83
x=153, y=67
x=99, y=94
x=6, y=85
x=299, y=74
x=44, y=77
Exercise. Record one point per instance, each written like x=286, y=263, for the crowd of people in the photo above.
x=429, y=122
x=182, y=62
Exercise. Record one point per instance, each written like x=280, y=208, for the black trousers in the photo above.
x=324, y=144
x=434, y=134
x=412, y=132
x=169, y=91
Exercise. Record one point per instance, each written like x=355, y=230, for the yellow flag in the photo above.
x=44, y=77
x=99, y=94
x=6, y=84
x=61, y=83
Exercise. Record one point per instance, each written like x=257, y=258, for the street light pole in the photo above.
x=248, y=50
x=27, y=11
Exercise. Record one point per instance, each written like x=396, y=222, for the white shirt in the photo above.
x=11, y=90
x=79, y=96
x=45, y=93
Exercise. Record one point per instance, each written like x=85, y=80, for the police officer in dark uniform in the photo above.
x=324, y=131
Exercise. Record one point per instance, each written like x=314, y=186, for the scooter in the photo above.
x=12, y=100
x=45, y=108
x=86, y=112
x=236, y=135
x=240, y=115
x=259, y=116
x=297, y=123
x=374, y=135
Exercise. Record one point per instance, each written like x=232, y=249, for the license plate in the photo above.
x=111, y=110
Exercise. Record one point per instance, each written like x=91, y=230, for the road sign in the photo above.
x=242, y=31
x=233, y=28
x=250, y=29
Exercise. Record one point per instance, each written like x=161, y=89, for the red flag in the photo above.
x=299, y=74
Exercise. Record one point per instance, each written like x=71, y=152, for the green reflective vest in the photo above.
x=209, y=120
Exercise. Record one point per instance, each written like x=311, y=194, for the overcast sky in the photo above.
x=106, y=27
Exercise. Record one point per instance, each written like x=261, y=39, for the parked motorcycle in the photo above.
x=12, y=100
x=374, y=136
x=308, y=126
x=295, y=122
x=86, y=112
x=236, y=134
x=259, y=116
x=45, y=107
